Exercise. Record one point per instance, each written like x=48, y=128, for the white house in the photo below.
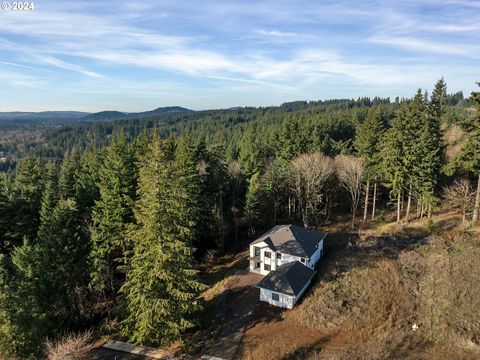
x=284, y=287
x=287, y=255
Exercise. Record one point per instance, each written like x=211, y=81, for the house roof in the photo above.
x=292, y=240
x=287, y=279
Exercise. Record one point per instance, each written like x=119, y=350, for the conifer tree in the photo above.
x=50, y=192
x=7, y=218
x=274, y=183
x=27, y=196
x=161, y=285
x=431, y=144
x=187, y=165
x=253, y=203
x=22, y=324
x=110, y=215
x=392, y=155
x=414, y=150
x=87, y=180
x=68, y=174
x=42, y=287
x=290, y=141
x=368, y=145
x=469, y=156
x=61, y=275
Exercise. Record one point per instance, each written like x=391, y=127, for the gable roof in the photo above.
x=287, y=279
x=292, y=240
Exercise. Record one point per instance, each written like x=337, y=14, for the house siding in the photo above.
x=284, y=301
x=274, y=262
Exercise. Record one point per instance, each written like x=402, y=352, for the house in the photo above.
x=287, y=255
x=284, y=286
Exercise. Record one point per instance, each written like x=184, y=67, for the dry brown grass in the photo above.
x=370, y=296
x=70, y=347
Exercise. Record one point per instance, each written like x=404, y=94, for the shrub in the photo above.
x=70, y=347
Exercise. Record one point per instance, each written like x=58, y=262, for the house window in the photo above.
x=279, y=256
x=257, y=265
x=257, y=251
x=267, y=254
x=275, y=297
x=266, y=267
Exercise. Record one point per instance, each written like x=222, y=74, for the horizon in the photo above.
x=90, y=57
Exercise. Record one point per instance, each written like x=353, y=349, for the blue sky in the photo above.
x=133, y=56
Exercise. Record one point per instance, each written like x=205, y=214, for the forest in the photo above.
x=105, y=224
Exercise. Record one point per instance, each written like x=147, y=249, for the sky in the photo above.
x=139, y=55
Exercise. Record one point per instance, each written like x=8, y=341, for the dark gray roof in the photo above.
x=287, y=279
x=292, y=240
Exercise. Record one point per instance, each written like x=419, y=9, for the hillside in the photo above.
x=370, y=292
x=22, y=119
x=115, y=115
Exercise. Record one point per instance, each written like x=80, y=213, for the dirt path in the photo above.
x=241, y=299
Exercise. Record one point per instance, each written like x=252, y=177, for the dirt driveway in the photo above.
x=241, y=301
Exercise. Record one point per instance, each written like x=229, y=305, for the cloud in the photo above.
x=68, y=66
x=274, y=47
x=277, y=34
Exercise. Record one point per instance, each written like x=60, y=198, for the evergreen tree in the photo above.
x=87, y=180
x=110, y=215
x=22, y=325
x=414, y=150
x=469, y=156
x=431, y=158
x=392, y=155
x=161, y=286
x=68, y=174
x=42, y=287
x=7, y=218
x=290, y=142
x=50, y=192
x=368, y=145
x=253, y=203
x=274, y=184
x=187, y=165
x=27, y=196
x=61, y=275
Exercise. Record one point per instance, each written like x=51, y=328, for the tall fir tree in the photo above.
x=431, y=158
x=392, y=158
x=68, y=174
x=61, y=276
x=27, y=197
x=7, y=218
x=253, y=203
x=50, y=193
x=414, y=150
x=22, y=323
x=161, y=286
x=469, y=155
x=110, y=216
x=368, y=140
x=43, y=285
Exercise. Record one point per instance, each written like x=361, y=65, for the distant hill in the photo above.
x=23, y=119
x=42, y=115
x=115, y=115
x=105, y=115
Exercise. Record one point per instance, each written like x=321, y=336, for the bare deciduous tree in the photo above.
x=350, y=171
x=459, y=195
x=308, y=175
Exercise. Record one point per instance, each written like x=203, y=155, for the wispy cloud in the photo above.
x=68, y=66
x=289, y=48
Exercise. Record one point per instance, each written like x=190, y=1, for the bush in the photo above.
x=70, y=347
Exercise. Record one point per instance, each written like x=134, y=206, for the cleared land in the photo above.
x=370, y=292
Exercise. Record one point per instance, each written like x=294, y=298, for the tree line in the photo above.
x=111, y=234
